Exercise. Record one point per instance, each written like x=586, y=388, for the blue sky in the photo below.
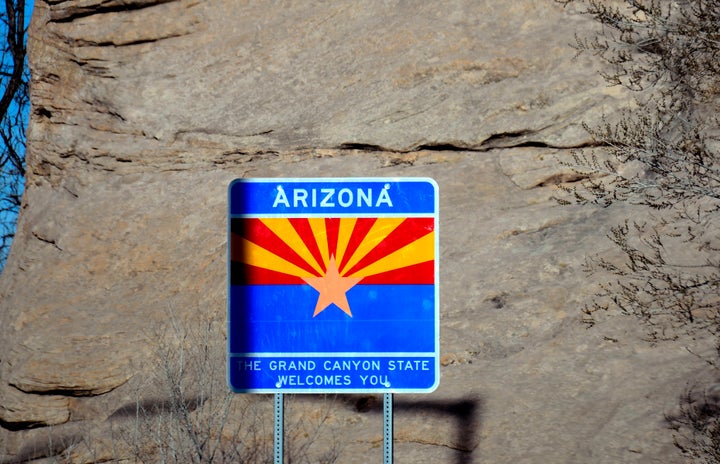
x=7, y=217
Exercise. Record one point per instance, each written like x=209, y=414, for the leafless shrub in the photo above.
x=697, y=425
x=183, y=413
x=310, y=439
x=186, y=413
x=663, y=156
x=657, y=43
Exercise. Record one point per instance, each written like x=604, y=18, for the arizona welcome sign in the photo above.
x=333, y=285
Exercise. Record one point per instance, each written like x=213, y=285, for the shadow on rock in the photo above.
x=464, y=412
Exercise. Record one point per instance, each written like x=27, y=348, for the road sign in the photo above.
x=333, y=285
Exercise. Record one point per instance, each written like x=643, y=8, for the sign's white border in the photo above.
x=338, y=180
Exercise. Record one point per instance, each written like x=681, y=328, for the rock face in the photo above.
x=144, y=110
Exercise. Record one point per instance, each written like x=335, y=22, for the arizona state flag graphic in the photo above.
x=333, y=285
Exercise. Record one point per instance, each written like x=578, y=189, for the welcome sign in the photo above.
x=333, y=285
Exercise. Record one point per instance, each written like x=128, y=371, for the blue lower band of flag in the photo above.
x=385, y=319
x=331, y=374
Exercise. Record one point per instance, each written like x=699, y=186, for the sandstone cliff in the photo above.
x=144, y=110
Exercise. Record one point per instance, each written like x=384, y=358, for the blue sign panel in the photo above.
x=333, y=285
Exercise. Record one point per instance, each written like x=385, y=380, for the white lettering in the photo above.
x=250, y=365
x=352, y=365
x=312, y=380
x=384, y=197
x=300, y=196
x=375, y=380
x=364, y=197
x=281, y=198
x=326, y=201
x=348, y=201
x=409, y=365
x=327, y=198
x=300, y=365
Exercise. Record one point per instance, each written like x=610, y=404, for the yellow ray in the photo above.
x=317, y=225
x=419, y=251
x=284, y=229
x=255, y=255
x=377, y=233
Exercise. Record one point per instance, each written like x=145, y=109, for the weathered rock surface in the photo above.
x=144, y=111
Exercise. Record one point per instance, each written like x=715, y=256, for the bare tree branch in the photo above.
x=15, y=35
x=14, y=78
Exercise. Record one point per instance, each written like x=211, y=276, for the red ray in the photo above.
x=255, y=231
x=362, y=227
x=422, y=273
x=245, y=274
x=302, y=227
x=407, y=232
x=332, y=225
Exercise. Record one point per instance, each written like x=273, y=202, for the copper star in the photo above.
x=333, y=288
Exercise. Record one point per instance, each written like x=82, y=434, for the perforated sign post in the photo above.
x=333, y=286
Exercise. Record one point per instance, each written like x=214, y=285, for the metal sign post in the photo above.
x=333, y=288
x=278, y=435
x=279, y=428
x=387, y=428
